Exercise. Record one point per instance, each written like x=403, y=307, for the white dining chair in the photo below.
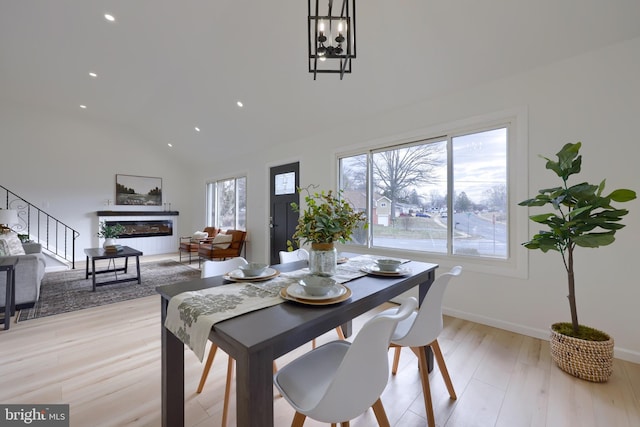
x=291, y=256
x=421, y=329
x=218, y=268
x=210, y=269
x=338, y=381
x=302, y=255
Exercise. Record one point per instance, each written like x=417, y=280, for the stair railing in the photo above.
x=55, y=236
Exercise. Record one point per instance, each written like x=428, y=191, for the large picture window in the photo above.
x=227, y=204
x=445, y=195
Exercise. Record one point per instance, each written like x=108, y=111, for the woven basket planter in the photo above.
x=589, y=360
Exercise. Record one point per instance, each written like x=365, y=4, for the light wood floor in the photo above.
x=105, y=363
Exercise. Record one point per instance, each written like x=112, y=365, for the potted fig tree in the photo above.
x=582, y=216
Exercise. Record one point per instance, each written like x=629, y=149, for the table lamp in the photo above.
x=7, y=218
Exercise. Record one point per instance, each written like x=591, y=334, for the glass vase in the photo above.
x=323, y=259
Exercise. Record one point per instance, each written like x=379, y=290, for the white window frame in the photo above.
x=212, y=200
x=516, y=263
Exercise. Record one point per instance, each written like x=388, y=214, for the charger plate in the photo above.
x=238, y=275
x=326, y=301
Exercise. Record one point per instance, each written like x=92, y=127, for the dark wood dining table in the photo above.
x=257, y=338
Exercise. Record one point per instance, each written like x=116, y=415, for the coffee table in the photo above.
x=94, y=254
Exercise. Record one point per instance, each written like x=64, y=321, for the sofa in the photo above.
x=29, y=271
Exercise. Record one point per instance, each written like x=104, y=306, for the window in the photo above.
x=227, y=204
x=445, y=195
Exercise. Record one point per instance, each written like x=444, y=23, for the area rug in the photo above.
x=65, y=291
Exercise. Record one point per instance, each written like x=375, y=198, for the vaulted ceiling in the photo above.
x=165, y=67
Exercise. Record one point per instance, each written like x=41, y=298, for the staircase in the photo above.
x=57, y=238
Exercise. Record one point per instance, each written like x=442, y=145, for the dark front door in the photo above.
x=283, y=189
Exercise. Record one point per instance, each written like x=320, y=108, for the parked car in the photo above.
x=423, y=215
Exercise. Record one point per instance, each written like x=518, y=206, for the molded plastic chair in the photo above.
x=297, y=255
x=302, y=255
x=339, y=380
x=421, y=329
x=218, y=268
x=209, y=269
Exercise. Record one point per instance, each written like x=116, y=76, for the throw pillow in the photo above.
x=12, y=246
x=199, y=235
x=222, y=241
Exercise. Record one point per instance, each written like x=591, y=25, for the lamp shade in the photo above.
x=8, y=217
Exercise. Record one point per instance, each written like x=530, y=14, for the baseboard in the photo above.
x=543, y=334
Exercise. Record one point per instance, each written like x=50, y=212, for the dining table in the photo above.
x=257, y=338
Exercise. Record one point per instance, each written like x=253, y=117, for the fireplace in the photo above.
x=145, y=228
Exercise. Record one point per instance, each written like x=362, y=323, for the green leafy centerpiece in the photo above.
x=327, y=219
x=582, y=216
x=110, y=232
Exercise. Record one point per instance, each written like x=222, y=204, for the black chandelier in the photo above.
x=332, y=37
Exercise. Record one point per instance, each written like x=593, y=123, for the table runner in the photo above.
x=191, y=315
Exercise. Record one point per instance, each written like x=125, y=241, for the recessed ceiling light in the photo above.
x=92, y=74
x=109, y=17
x=84, y=107
x=240, y=104
x=170, y=144
x=197, y=129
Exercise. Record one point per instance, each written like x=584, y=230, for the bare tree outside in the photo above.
x=428, y=198
x=398, y=173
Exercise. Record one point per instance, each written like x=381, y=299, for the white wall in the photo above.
x=68, y=167
x=593, y=98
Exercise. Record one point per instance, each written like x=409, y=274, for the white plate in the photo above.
x=374, y=269
x=344, y=297
x=296, y=290
x=239, y=275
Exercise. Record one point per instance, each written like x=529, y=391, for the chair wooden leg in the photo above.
x=313, y=343
x=426, y=389
x=227, y=387
x=227, y=392
x=298, y=420
x=443, y=369
x=396, y=359
x=380, y=414
x=275, y=369
x=207, y=367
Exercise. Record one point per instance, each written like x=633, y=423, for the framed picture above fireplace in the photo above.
x=133, y=190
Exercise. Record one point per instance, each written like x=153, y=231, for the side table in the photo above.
x=8, y=264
